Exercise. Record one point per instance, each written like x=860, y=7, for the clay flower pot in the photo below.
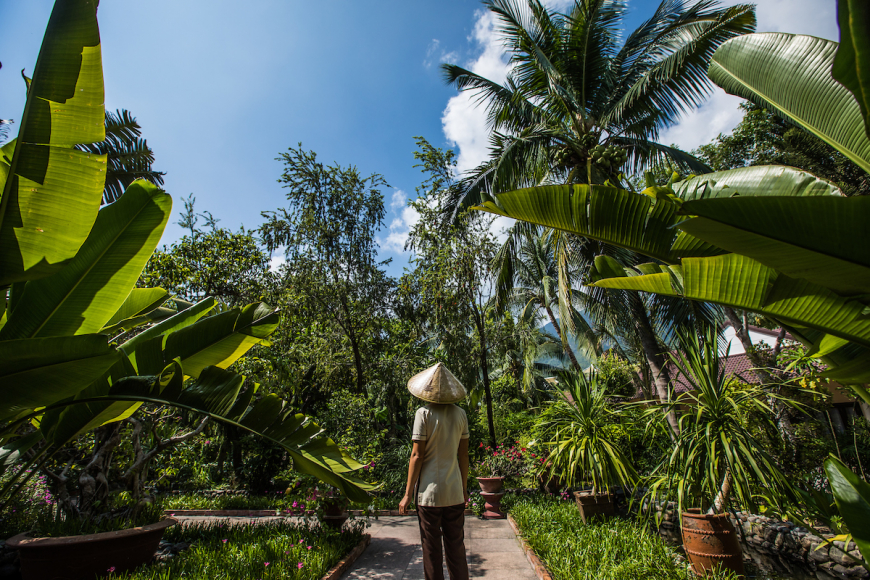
x=593, y=504
x=490, y=484
x=87, y=556
x=335, y=512
x=710, y=541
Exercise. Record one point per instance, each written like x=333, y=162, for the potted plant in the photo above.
x=716, y=459
x=579, y=431
x=331, y=507
x=497, y=465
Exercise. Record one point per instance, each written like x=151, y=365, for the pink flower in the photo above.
x=110, y=570
x=224, y=540
x=309, y=547
x=300, y=541
x=300, y=565
x=265, y=563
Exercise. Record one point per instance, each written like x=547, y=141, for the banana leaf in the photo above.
x=38, y=372
x=791, y=75
x=51, y=192
x=755, y=181
x=822, y=239
x=218, y=340
x=139, y=302
x=740, y=282
x=853, y=498
x=85, y=294
x=852, y=61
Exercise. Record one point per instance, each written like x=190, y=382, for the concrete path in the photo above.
x=395, y=552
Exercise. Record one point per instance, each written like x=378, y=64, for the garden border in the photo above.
x=345, y=563
x=540, y=569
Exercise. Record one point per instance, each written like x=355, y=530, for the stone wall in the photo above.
x=782, y=547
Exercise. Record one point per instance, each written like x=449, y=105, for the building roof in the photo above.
x=736, y=365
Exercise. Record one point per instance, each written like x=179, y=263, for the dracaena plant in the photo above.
x=579, y=430
x=716, y=459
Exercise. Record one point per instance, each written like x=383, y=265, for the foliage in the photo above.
x=128, y=156
x=74, y=283
x=853, y=499
x=578, y=84
x=716, y=458
x=328, y=232
x=502, y=461
x=762, y=138
x=616, y=375
x=612, y=549
x=51, y=524
x=578, y=433
x=252, y=551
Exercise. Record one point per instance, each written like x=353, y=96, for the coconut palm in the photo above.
x=129, y=156
x=578, y=103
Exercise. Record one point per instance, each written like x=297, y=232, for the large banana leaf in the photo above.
x=755, y=181
x=821, y=239
x=852, y=61
x=164, y=328
x=86, y=293
x=219, y=394
x=218, y=340
x=38, y=372
x=791, y=75
x=853, y=498
x=740, y=282
x=51, y=192
x=646, y=223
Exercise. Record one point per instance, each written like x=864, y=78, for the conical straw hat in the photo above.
x=437, y=385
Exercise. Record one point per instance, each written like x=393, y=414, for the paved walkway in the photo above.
x=395, y=553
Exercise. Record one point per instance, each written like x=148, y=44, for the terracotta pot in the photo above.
x=335, y=521
x=88, y=556
x=492, y=506
x=710, y=541
x=490, y=484
x=593, y=504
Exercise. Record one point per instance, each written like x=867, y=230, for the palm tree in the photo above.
x=129, y=157
x=577, y=106
x=576, y=103
x=528, y=280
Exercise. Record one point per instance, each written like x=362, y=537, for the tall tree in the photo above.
x=328, y=232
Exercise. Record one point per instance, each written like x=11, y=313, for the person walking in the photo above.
x=438, y=471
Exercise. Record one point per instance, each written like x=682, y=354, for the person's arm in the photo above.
x=414, y=467
x=463, y=465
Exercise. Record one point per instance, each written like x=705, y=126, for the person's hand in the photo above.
x=466, y=496
x=403, y=505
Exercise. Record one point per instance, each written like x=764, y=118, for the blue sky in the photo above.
x=221, y=88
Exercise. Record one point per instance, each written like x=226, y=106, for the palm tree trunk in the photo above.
x=565, y=346
x=480, y=322
x=653, y=355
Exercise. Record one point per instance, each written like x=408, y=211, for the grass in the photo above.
x=614, y=549
x=252, y=552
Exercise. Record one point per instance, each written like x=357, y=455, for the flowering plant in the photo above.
x=502, y=461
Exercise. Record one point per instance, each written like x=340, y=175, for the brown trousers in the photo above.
x=449, y=523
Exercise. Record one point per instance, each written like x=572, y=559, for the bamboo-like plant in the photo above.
x=579, y=432
x=716, y=459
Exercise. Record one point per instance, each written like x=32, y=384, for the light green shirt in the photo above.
x=441, y=427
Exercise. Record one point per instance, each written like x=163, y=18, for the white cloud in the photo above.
x=399, y=229
x=398, y=199
x=464, y=121
x=277, y=260
x=436, y=55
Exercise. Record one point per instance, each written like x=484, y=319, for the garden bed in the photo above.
x=614, y=549
x=254, y=551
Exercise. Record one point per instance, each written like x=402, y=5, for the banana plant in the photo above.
x=67, y=274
